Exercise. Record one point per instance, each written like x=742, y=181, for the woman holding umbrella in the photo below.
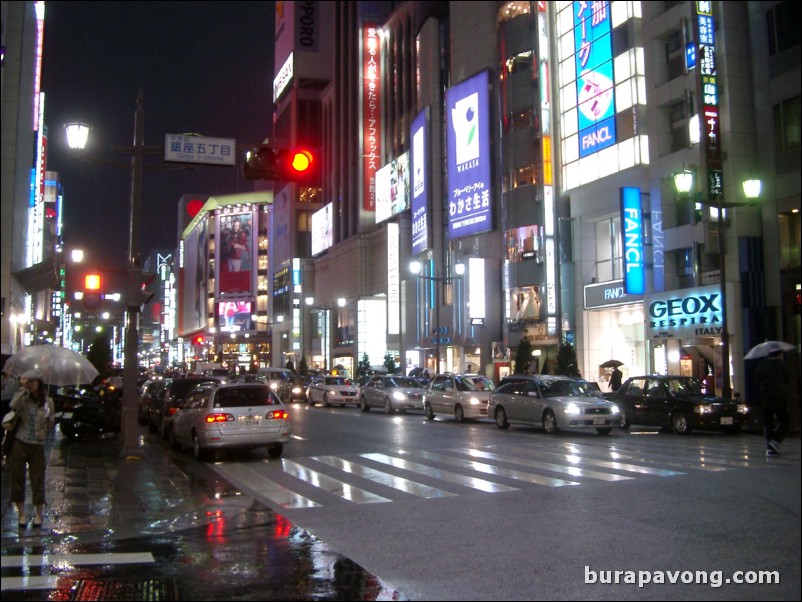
x=36, y=416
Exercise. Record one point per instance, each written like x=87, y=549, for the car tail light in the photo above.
x=171, y=411
x=277, y=415
x=219, y=417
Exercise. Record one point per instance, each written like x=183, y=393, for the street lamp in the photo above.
x=683, y=182
x=77, y=135
x=416, y=268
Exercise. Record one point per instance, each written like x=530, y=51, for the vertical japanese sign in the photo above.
x=705, y=35
x=371, y=114
x=469, y=161
x=594, y=82
x=632, y=231
x=419, y=168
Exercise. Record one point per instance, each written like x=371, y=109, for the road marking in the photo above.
x=250, y=479
x=384, y=478
x=574, y=471
x=334, y=486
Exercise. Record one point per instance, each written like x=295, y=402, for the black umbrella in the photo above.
x=612, y=364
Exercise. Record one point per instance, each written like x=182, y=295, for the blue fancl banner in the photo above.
x=595, y=83
x=419, y=176
x=469, y=160
x=632, y=231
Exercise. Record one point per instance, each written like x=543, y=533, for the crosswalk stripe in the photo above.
x=336, y=487
x=438, y=473
x=496, y=470
x=618, y=452
x=29, y=583
x=11, y=561
x=384, y=478
x=574, y=471
x=249, y=478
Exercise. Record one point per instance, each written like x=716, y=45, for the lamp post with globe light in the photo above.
x=683, y=182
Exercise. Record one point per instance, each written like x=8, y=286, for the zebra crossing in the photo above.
x=301, y=483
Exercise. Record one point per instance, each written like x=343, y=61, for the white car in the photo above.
x=391, y=392
x=459, y=395
x=330, y=390
x=552, y=402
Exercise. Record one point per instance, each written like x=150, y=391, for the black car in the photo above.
x=676, y=403
x=292, y=389
x=166, y=404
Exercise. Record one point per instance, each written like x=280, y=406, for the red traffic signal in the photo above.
x=198, y=340
x=284, y=165
x=92, y=282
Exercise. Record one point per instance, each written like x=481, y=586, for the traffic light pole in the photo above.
x=130, y=419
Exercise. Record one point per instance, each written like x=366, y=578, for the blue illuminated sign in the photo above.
x=469, y=160
x=690, y=56
x=632, y=230
x=595, y=83
x=419, y=182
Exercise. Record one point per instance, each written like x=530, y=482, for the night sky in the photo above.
x=203, y=67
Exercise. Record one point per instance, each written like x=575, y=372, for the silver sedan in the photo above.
x=459, y=395
x=553, y=402
x=391, y=393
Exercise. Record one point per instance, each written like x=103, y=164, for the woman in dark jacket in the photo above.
x=36, y=415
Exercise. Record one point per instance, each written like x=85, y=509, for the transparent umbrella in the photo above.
x=58, y=366
x=766, y=348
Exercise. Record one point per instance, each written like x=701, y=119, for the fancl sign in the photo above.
x=685, y=313
x=608, y=294
x=632, y=231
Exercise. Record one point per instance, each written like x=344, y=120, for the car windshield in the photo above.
x=337, y=380
x=685, y=386
x=475, y=383
x=240, y=397
x=564, y=388
x=403, y=381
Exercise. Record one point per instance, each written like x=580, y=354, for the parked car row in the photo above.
x=209, y=413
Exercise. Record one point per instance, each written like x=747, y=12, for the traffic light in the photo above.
x=286, y=164
x=137, y=293
x=92, y=282
x=92, y=299
x=198, y=340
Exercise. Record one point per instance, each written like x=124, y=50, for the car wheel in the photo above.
x=680, y=423
x=550, y=422
x=459, y=413
x=624, y=424
x=604, y=430
x=427, y=408
x=276, y=450
x=501, y=419
x=326, y=403
x=363, y=404
x=197, y=450
x=174, y=442
x=388, y=407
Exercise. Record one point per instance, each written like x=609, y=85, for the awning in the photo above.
x=38, y=277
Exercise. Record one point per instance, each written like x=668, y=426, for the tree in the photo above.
x=566, y=361
x=389, y=363
x=303, y=369
x=523, y=356
x=290, y=365
x=363, y=367
x=99, y=354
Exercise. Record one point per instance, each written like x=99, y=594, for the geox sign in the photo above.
x=685, y=313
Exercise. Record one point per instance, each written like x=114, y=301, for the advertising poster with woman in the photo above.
x=235, y=253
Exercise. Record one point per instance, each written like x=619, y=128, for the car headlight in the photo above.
x=296, y=390
x=572, y=409
x=274, y=386
x=474, y=401
x=615, y=410
x=399, y=396
x=702, y=409
x=743, y=408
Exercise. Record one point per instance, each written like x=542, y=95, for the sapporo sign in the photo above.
x=183, y=148
x=693, y=312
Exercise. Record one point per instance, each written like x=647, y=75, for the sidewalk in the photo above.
x=208, y=540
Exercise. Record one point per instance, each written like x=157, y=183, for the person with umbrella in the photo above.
x=35, y=416
x=774, y=378
x=615, y=379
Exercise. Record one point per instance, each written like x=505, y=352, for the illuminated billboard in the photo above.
x=235, y=253
x=371, y=113
x=194, y=279
x=392, y=188
x=322, y=229
x=419, y=166
x=234, y=316
x=469, y=160
x=523, y=243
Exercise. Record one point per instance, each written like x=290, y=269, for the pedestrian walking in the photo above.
x=774, y=378
x=615, y=379
x=35, y=415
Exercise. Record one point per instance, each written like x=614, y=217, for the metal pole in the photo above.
x=437, y=326
x=130, y=426
x=726, y=389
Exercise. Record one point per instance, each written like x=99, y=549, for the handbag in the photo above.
x=10, y=426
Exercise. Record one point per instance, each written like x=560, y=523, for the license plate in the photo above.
x=598, y=421
x=726, y=420
x=252, y=420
